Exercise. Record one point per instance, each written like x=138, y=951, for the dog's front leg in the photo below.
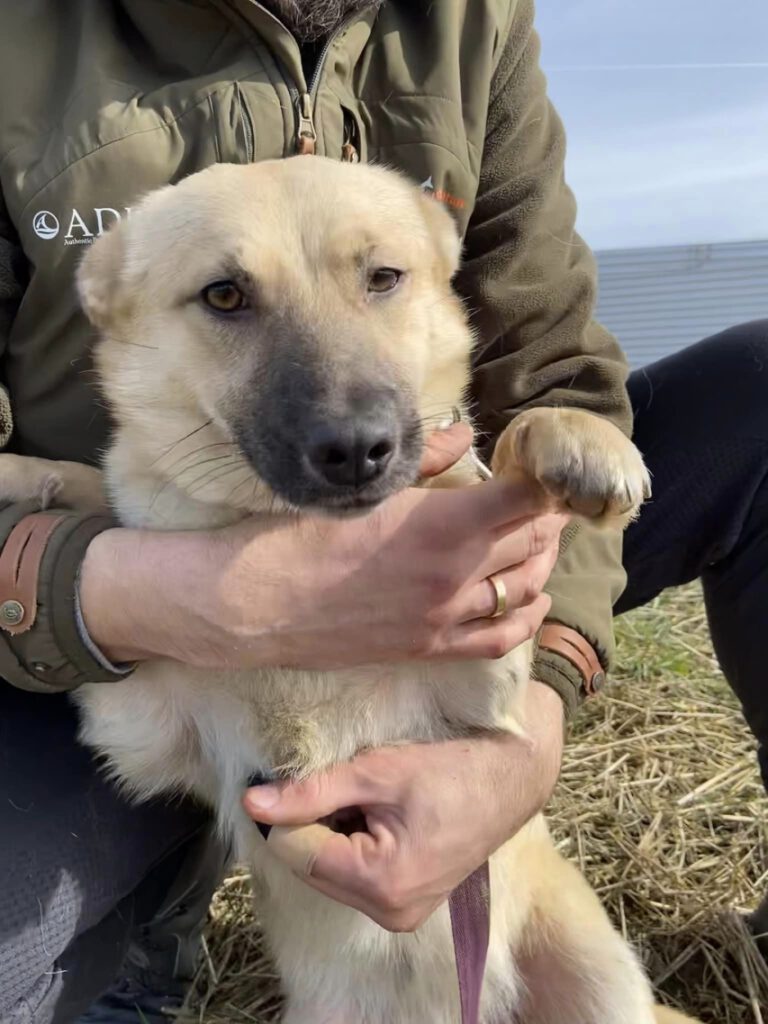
x=582, y=462
x=66, y=484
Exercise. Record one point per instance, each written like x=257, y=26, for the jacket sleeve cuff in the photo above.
x=584, y=586
x=55, y=654
x=559, y=674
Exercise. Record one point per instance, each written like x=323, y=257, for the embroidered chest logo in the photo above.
x=442, y=196
x=81, y=230
x=45, y=225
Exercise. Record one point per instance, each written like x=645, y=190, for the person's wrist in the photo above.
x=545, y=725
x=544, y=711
x=107, y=581
x=205, y=598
x=139, y=595
x=527, y=767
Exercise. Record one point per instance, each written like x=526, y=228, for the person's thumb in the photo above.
x=288, y=815
x=307, y=801
x=443, y=448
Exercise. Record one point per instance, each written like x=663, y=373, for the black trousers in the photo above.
x=701, y=422
x=79, y=867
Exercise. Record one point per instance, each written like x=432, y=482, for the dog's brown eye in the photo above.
x=223, y=296
x=384, y=279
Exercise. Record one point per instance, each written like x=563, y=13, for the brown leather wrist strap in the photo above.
x=574, y=648
x=20, y=569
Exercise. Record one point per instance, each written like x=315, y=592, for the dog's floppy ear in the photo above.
x=99, y=278
x=444, y=232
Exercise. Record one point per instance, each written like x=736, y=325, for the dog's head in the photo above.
x=302, y=307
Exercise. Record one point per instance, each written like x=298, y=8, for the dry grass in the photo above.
x=661, y=805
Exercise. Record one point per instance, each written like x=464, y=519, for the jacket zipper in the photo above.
x=247, y=122
x=306, y=133
x=306, y=140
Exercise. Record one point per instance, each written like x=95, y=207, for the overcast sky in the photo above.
x=668, y=154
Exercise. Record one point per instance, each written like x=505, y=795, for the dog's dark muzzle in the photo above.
x=341, y=451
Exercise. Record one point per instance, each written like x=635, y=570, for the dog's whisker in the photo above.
x=215, y=476
x=191, y=455
x=139, y=344
x=175, y=479
x=246, y=479
x=175, y=444
x=194, y=486
x=212, y=459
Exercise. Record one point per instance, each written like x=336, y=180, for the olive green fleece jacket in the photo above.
x=103, y=100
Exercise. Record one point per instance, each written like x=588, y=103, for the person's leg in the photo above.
x=701, y=421
x=169, y=910
x=76, y=863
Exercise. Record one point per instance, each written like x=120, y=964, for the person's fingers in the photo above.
x=523, y=585
x=527, y=539
x=495, y=504
x=339, y=866
x=494, y=638
x=443, y=448
x=317, y=852
x=305, y=802
x=299, y=846
x=357, y=870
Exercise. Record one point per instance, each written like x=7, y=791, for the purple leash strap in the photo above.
x=470, y=905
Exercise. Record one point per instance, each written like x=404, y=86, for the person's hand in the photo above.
x=409, y=581
x=433, y=813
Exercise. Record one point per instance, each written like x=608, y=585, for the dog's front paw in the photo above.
x=27, y=479
x=582, y=461
x=48, y=483
x=51, y=487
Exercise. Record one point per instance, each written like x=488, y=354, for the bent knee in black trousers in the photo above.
x=701, y=422
x=76, y=863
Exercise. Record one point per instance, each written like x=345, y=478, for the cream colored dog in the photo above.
x=276, y=305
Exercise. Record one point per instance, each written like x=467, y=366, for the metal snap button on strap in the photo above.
x=11, y=613
x=20, y=560
x=597, y=682
x=572, y=646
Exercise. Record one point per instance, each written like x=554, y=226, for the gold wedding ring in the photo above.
x=500, y=591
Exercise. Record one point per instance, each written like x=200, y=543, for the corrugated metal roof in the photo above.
x=658, y=300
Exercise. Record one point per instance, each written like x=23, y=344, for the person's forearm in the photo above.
x=321, y=594
x=137, y=593
x=527, y=770
x=545, y=724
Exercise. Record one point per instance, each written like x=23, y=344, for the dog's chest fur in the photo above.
x=172, y=728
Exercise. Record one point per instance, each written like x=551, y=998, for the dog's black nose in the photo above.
x=350, y=453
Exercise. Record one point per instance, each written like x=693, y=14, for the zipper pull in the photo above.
x=306, y=142
x=350, y=154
